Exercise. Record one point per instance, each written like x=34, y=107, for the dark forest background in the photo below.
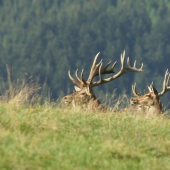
x=46, y=38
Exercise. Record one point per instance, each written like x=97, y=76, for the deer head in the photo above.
x=84, y=95
x=150, y=102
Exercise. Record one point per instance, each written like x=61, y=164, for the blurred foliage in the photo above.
x=47, y=38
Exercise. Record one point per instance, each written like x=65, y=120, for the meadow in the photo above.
x=48, y=137
x=36, y=135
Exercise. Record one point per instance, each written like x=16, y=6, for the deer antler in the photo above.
x=96, y=69
x=81, y=82
x=134, y=90
x=122, y=71
x=165, y=83
x=93, y=72
x=150, y=87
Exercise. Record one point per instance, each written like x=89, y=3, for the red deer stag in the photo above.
x=84, y=96
x=150, y=103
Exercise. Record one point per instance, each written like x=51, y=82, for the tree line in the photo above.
x=47, y=38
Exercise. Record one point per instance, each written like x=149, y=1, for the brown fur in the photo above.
x=148, y=103
x=85, y=99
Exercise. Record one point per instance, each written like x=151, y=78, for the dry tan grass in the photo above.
x=19, y=92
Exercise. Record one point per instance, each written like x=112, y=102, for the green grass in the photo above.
x=49, y=137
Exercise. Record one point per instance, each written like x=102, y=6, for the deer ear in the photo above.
x=77, y=88
x=155, y=91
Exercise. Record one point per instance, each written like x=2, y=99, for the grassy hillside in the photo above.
x=48, y=137
x=43, y=135
x=46, y=39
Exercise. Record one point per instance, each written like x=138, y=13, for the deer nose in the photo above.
x=133, y=101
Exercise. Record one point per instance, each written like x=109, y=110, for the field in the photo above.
x=49, y=137
x=37, y=135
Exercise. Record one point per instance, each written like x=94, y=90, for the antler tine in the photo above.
x=150, y=87
x=70, y=76
x=122, y=58
x=77, y=76
x=82, y=74
x=73, y=80
x=168, y=79
x=94, y=62
x=134, y=65
x=134, y=90
x=100, y=76
x=113, y=66
x=165, y=83
x=82, y=79
x=94, y=69
x=141, y=67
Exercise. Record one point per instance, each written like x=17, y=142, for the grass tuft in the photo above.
x=19, y=92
